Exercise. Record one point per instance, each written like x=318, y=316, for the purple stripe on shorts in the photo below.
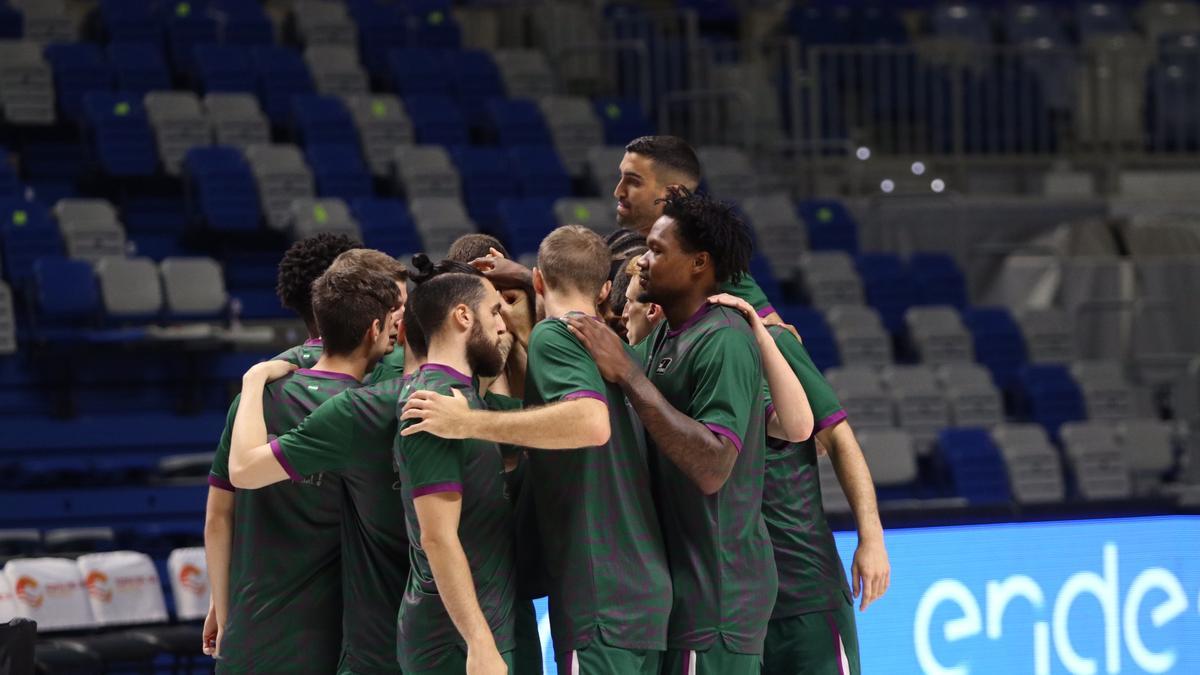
x=220, y=483
x=766, y=311
x=830, y=421
x=837, y=642
x=586, y=393
x=314, y=342
x=447, y=370
x=326, y=374
x=727, y=433
x=283, y=461
x=436, y=487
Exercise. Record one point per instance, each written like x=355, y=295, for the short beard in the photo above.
x=483, y=356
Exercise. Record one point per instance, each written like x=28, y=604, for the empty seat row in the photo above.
x=137, y=289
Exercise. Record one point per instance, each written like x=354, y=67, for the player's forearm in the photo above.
x=855, y=478
x=690, y=445
x=452, y=574
x=565, y=425
x=218, y=544
x=791, y=402
x=250, y=426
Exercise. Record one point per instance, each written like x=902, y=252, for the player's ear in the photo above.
x=604, y=291
x=700, y=261
x=462, y=314
x=539, y=282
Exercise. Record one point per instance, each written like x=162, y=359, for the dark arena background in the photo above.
x=982, y=218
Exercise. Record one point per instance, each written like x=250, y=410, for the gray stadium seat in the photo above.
x=383, y=125
x=829, y=278
x=1160, y=17
x=890, y=456
x=90, y=228
x=283, y=176
x=598, y=214
x=324, y=23
x=866, y=402
x=860, y=336
x=525, y=72
x=77, y=539
x=314, y=216
x=1185, y=394
x=1089, y=286
x=921, y=407
x=939, y=335
x=26, y=87
x=974, y=399
x=1107, y=392
x=129, y=286
x=193, y=285
x=574, y=127
x=728, y=172
x=8, y=321
x=195, y=466
x=425, y=171
x=1149, y=446
x=782, y=236
x=336, y=70
x=604, y=167
x=1034, y=469
x=1101, y=471
x=1170, y=284
x=1049, y=335
x=440, y=220
x=179, y=124
x=47, y=21
x=237, y=119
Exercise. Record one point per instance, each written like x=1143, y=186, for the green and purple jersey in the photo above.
x=303, y=356
x=285, y=583
x=598, y=503
x=390, y=367
x=475, y=469
x=811, y=576
x=747, y=289
x=722, y=565
x=352, y=436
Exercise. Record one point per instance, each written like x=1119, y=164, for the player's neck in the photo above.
x=450, y=354
x=678, y=312
x=562, y=304
x=353, y=365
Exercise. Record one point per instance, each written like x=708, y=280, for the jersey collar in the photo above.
x=704, y=309
x=325, y=374
x=449, y=371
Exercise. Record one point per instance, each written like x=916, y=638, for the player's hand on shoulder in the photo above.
x=269, y=371
x=734, y=302
x=607, y=350
x=437, y=414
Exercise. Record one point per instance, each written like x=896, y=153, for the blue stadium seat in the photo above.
x=130, y=21
x=821, y=24
x=282, y=74
x=122, y=140
x=880, y=25
x=222, y=68
x=222, y=192
x=187, y=26
x=339, y=170
x=962, y=20
x=623, y=120
x=1101, y=18
x=525, y=222
x=1049, y=396
x=318, y=119
x=12, y=23
x=28, y=233
x=139, y=67
x=938, y=280
x=887, y=286
x=420, y=71
x=487, y=177
x=517, y=122
x=830, y=225
x=432, y=24
x=814, y=331
x=999, y=343
x=1028, y=22
x=476, y=81
x=436, y=120
x=974, y=465
x=386, y=225
x=243, y=23
x=381, y=28
x=10, y=184
x=539, y=171
x=78, y=69
x=65, y=291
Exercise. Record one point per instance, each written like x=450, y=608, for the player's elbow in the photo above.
x=799, y=431
x=435, y=541
x=598, y=430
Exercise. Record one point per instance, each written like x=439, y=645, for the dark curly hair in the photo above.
x=303, y=263
x=705, y=224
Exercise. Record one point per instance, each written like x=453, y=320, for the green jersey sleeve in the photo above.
x=727, y=377
x=748, y=289
x=322, y=440
x=496, y=401
x=218, y=475
x=434, y=464
x=560, y=368
x=827, y=409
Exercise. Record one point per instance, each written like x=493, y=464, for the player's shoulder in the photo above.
x=724, y=323
x=553, y=328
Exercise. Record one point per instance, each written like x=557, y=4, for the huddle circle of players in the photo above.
x=628, y=428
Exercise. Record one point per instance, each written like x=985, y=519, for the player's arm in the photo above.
x=577, y=423
x=871, y=570
x=252, y=459
x=438, y=514
x=705, y=456
x=218, y=543
x=793, y=418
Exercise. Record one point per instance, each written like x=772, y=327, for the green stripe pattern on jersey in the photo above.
x=285, y=585
x=811, y=576
x=429, y=465
x=303, y=356
x=722, y=565
x=597, y=502
x=390, y=367
x=352, y=435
